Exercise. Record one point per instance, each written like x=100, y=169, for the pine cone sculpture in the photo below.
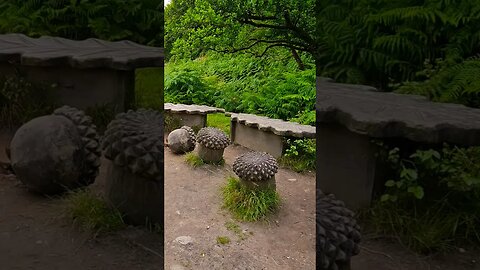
x=134, y=140
x=255, y=166
x=213, y=138
x=338, y=233
x=90, y=139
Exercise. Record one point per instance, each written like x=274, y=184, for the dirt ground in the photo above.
x=34, y=234
x=193, y=209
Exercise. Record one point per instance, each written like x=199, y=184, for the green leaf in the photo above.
x=390, y=183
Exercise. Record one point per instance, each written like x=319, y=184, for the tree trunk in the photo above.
x=300, y=64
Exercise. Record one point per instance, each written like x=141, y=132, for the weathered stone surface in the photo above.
x=338, y=234
x=53, y=153
x=181, y=140
x=213, y=138
x=276, y=126
x=209, y=155
x=388, y=115
x=190, y=109
x=89, y=53
x=255, y=166
x=47, y=154
x=135, y=140
x=90, y=139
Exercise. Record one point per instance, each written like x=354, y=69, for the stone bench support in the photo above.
x=350, y=116
x=87, y=73
x=264, y=134
x=190, y=115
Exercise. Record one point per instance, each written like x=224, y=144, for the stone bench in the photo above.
x=350, y=116
x=190, y=115
x=88, y=72
x=266, y=134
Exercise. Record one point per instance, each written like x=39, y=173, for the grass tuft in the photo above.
x=91, y=213
x=297, y=164
x=223, y=240
x=249, y=204
x=194, y=160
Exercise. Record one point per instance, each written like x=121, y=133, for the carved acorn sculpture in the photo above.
x=256, y=169
x=212, y=143
x=338, y=234
x=133, y=142
x=54, y=153
x=181, y=140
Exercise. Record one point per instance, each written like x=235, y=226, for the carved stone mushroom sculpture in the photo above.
x=338, y=234
x=58, y=152
x=181, y=140
x=212, y=142
x=133, y=142
x=256, y=170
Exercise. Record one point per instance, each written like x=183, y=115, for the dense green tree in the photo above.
x=137, y=20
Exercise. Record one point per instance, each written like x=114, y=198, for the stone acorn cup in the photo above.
x=256, y=170
x=212, y=143
x=338, y=234
x=133, y=142
x=182, y=140
x=54, y=153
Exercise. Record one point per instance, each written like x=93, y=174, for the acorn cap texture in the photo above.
x=338, y=233
x=90, y=141
x=192, y=139
x=255, y=166
x=213, y=138
x=134, y=140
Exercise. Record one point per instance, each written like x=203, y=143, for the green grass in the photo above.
x=149, y=88
x=424, y=231
x=92, y=213
x=220, y=121
x=235, y=228
x=194, y=160
x=101, y=115
x=249, y=204
x=298, y=164
x=223, y=240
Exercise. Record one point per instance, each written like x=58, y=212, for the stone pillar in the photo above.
x=346, y=165
x=192, y=120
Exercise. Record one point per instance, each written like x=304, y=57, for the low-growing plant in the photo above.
x=223, y=240
x=249, y=204
x=193, y=160
x=235, y=228
x=101, y=115
x=91, y=212
x=300, y=155
x=432, y=200
x=22, y=100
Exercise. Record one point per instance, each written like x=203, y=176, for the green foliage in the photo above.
x=194, y=160
x=101, y=116
x=383, y=43
x=149, y=86
x=271, y=86
x=431, y=202
x=22, y=100
x=220, y=121
x=137, y=20
x=249, y=204
x=450, y=80
x=235, y=228
x=223, y=240
x=91, y=212
x=300, y=155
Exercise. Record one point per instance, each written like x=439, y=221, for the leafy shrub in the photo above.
x=300, y=155
x=187, y=87
x=22, y=100
x=432, y=202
